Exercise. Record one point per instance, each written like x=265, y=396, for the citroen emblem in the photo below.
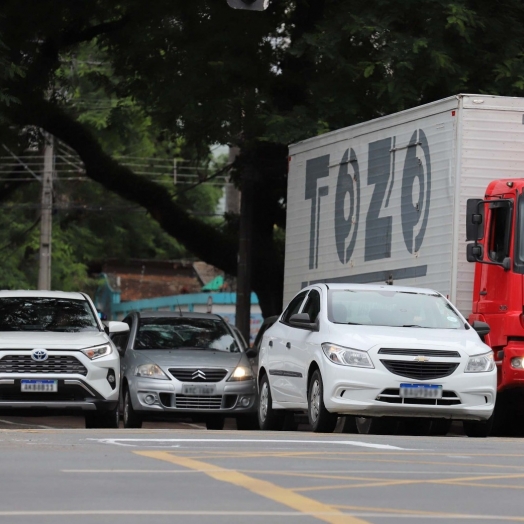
x=421, y=358
x=198, y=374
x=39, y=355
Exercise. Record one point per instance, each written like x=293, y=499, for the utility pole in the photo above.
x=46, y=215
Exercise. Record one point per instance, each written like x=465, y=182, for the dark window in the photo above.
x=268, y=322
x=312, y=307
x=294, y=306
x=498, y=241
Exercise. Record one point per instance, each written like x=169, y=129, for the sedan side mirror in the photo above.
x=302, y=320
x=481, y=328
x=251, y=353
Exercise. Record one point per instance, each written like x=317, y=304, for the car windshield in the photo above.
x=185, y=333
x=46, y=314
x=392, y=308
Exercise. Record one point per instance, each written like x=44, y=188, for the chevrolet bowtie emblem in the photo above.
x=421, y=358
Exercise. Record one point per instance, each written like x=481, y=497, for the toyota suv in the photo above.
x=56, y=357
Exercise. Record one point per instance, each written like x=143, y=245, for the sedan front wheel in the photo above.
x=320, y=419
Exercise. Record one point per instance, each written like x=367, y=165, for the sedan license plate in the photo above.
x=420, y=391
x=196, y=391
x=39, y=386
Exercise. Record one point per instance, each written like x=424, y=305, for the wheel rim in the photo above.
x=315, y=400
x=363, y=424
x=264, y=402
x=126, y=409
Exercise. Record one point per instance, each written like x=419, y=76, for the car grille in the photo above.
x=190, y=402
x=392, y=396
x=420, y=370
x=421, y=352
x=198, y=374
x=61, y=364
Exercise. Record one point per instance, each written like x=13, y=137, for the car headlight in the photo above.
x=347, y=356
x=98, y=351
x=480, y=363
x=150, y=371
x=241, y=373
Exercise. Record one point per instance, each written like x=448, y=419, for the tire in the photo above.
x=349, y=424
x=215, y=422
x=269, y=419
x=103, y=419
x=419, y=427
x=440, y=427
x=377, y=425
x=132, y=420
x=320, y=419
x=247, y=422
x=478, y=428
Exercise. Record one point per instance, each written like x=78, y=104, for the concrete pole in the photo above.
x=46, y=215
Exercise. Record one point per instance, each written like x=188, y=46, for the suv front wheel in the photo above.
x=103, y=419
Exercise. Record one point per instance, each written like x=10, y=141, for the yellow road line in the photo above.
x=263, y=488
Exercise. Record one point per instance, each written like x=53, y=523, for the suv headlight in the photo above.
x=241, y=373
x=150, y=371
x=480, y=363
x=347, y=356
x=98, y=351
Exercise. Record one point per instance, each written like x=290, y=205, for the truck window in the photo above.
x=498, y=242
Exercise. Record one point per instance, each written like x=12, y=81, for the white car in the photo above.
x=378, y=354
x=56, y=357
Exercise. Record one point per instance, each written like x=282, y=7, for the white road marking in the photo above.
x=134, y=441
x=22, y=424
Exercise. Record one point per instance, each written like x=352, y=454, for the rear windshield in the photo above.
x=46, y=314
x=185, y=333
x=392, y=308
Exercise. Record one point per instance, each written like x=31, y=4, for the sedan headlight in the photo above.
x=98, y=351
x=241, y=373
x=347, y=356
x=480, y=363
x=150, y=371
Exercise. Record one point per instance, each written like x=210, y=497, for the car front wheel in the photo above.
x=269, y=419
x=103, y=419
x=478, y=428
x=320, y=419
x=131, y=418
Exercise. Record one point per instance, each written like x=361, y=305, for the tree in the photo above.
x=209, y=74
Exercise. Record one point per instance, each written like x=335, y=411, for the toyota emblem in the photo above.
x=39, y=355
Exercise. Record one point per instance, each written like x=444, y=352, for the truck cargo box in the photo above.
x=385, y=200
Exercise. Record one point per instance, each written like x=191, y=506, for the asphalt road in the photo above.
x=197, y=476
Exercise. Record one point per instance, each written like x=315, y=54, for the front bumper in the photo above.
x=375, y=393
x=229, y=398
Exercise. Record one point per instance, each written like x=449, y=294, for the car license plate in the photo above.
x=420, y=391
x=196, y=391
x=39, y=386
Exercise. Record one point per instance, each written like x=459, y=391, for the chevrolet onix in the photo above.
x=56, y=357
x=185, y=365
x=379, y=355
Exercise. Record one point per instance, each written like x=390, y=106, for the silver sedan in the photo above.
x=185, y=365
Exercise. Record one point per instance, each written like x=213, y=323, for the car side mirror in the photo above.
x=302, y=320
x=481, y=328
x=114, y=326
x=251, y=353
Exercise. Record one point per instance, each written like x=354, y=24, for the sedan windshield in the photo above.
x=392, y=308
x=185, y=333
x=46, y=314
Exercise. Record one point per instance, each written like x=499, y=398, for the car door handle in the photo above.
x=270, y=343
x=288, y=345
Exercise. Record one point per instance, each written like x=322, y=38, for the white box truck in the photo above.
x=387, y=201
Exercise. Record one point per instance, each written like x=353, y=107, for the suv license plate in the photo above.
x=39, y=386
x=420, y=391
x=196, y=391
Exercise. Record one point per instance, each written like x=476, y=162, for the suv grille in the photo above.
x=416, y=352
x=420, y=370
x=61, y=364
x=198, y=374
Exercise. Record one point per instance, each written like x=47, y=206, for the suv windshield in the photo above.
x=46, y=314
x=185, y=333
x=392, y=308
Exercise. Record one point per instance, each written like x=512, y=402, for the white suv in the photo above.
x=56, y=357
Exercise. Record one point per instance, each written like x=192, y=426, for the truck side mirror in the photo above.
x=481, y=328
x=474, y=253
x=506, y=264
x=474, y=219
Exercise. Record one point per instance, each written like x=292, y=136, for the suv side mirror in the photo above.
x=115, y=326
x=302, y=320
x=481, y=328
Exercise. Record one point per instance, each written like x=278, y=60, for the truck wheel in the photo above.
x=131, y=418
x=103, y=419
x=478, y=428
x=215, y=422
x=269, y=419
x=320, y=419
x=377, y=425
x=349, y=424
